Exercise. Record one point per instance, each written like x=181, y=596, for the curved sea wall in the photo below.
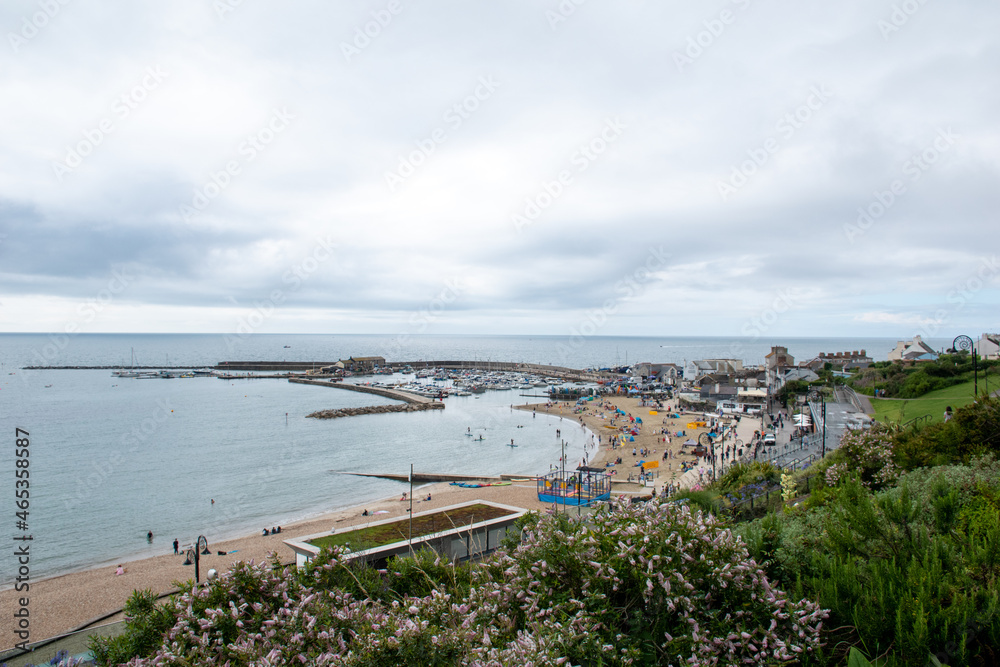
x=378, y=391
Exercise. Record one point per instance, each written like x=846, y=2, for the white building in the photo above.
x=988, y=346
x=912, y=350
x=701, y=367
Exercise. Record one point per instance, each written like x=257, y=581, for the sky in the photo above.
x=734, y=167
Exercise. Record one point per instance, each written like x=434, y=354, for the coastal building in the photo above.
x=838, y=360
x=363, y=364
x=457, y=540
x=775, y=362
x=668, y=374
x=751, y=398
x=988, y=346
x=701, y=367
x=912, y=350
x=718, y=392
x=793, y=374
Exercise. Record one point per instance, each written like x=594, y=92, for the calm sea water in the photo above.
x=112, y=458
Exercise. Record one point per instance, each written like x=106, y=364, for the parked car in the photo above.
x=769, y=439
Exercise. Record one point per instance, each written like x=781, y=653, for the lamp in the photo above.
x=193, y=555
x=965, y=343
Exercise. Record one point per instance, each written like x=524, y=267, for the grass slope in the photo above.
x=933, y=403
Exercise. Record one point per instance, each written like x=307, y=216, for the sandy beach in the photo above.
x=62, y=603
x=598, y=414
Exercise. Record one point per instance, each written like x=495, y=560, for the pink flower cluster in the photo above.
x=869, y=456
x=648, y=581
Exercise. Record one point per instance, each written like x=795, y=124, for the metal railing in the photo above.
x=777, y=451
x=917, y=421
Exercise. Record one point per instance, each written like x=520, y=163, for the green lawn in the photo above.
x=933, y=403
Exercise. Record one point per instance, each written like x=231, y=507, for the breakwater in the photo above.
x=364, y=389
x=375, y=410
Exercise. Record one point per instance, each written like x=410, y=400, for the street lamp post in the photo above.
x=194, y=554
x=965, y=343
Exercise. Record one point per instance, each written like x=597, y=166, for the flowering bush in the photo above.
x=787, y=487
x=647, y=584
x=869, y=457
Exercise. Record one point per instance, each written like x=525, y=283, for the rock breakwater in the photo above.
x=375, y=409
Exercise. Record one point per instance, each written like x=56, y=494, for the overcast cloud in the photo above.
x=683, y=167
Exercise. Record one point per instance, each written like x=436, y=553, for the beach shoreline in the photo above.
x=63, y=602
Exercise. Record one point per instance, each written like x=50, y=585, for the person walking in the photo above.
x=176, y=545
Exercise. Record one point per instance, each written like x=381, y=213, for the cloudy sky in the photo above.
x=665, y=168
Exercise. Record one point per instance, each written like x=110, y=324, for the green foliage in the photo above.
x=909, y=571
x=704, y=500
x=972, y=432
x=424, y=572
x=146, y=622
x=857, y=659
x=791, y=388
x=744, y=474
x=912, y=380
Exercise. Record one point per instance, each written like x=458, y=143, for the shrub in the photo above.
x=646, y=584
x=867, y=456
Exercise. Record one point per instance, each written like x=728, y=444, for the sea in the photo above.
x=112, y=459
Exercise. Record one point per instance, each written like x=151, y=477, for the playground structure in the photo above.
x=577, y=487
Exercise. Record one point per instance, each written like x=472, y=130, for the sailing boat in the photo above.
x=131, y=373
